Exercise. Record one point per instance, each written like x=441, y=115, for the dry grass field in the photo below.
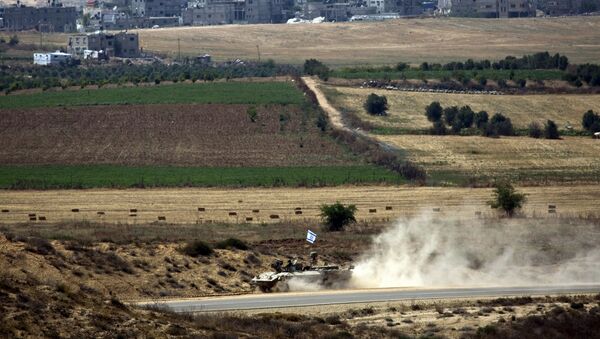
x=174, y=135
x=407, y=109
x=527, y=160
x=235, y=205
x=433, y=40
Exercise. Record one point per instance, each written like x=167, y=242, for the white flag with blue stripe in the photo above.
x=311, y=236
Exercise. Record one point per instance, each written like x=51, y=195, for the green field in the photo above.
x=491, y=74
x=203, y=93
x=96, y=176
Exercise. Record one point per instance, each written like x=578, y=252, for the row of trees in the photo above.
x=586, y=73
x=25, y=77
x=453, y=120
x=542, y=60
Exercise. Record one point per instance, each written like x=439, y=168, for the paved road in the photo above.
x=282, y=300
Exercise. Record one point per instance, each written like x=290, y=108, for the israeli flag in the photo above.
x=311, y=236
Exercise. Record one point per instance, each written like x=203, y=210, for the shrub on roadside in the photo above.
x=197, y=248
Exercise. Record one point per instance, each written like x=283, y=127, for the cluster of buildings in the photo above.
x=93, y=46
x=91, y=15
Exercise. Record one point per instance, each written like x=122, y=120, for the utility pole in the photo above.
x=179, y=49
x=258, y=52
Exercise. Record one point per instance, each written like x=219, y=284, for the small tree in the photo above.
x=337, y=216
x=535, y=130
x=481, y=119
x=588, y=119
x=252, y=113
x=376, y=105
x=450, y=114
x=438, y=128
x=401, y=66
x=506, y=198
x=551, y=130
x=322, y=122
x=434, y=111
x=316, y=67
x=14, y=40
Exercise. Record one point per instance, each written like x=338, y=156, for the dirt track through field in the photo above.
x=205, y=205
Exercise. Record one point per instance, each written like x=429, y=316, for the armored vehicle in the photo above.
x=323, y=275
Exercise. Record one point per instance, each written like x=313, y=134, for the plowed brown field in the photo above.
x=235, y=205
x=179, y=135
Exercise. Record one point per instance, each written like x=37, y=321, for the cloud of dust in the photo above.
x=428, y=251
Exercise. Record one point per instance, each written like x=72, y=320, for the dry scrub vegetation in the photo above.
x=183, y=135
x=181, y=206
x=407, y=109
x=526, y=160
x=432, y=40
x=74, y=288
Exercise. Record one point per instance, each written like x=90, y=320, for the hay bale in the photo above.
x=552, y=211
x=298, y=209
x=132, y=215
x=100, y=213
x=162, y=218
x=75, y=210
x=274, y=216
x=437, y=209
x=42, y=218
x=5, y=211
x=551, y=207
x=133, y=210
x=31, y=215
x=201, y=209
x=388, y=208
x=32, y=218
x=232, y=214
x=255, y=211
x=249, y=219
x=372, y=210
x=298, y=212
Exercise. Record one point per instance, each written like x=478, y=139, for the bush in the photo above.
x=252, y=113
x=14, y=40
x=316, y=67
x=322, y=122
x=438, y=128
x=589, y=119
x=450, y=114
x=499, y=125
x=401, y=66
x=551, y=130
x=535, y=130
x=39, y=246
x=481, y=119
x=197, y=248
x=375, y=104
x=507, y=199
x=434, y=111
x=232, y=243
x=337, y=216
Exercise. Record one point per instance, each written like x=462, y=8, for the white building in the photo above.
x=54, y=58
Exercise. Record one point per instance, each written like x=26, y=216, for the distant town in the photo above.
x=93, y=15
